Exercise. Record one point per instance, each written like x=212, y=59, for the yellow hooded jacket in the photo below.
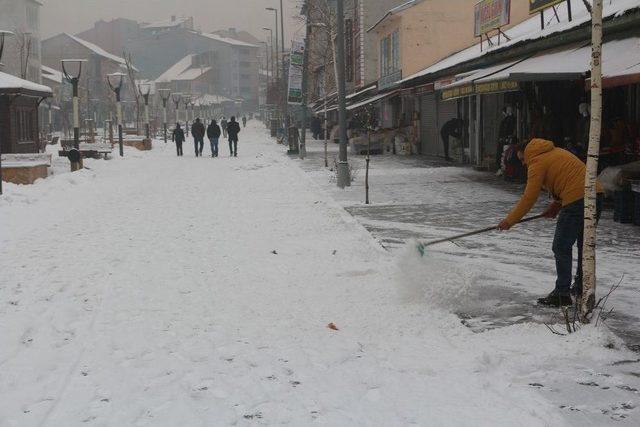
x=553, y=169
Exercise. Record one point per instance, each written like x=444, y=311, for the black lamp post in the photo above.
x=74, y=79
x=3, y=34
x=188, y=102
x=145, y=96
x=115, y=82
x=176, y=98
x=164, y=95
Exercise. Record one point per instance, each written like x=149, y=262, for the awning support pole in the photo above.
x=569, y=10
x=542, y=19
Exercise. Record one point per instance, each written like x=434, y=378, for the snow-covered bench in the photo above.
x=25, y=168
x=95, y=150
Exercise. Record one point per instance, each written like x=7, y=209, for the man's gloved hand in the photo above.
x=504, y=225
x=552, y=210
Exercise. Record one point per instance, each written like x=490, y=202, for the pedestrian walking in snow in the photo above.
x=213, y=133
x=452, y=128
x=223, y=125
x=178, y=137
x=244, y=121
x=562, y=174
x=197, y=131
x=233, y=129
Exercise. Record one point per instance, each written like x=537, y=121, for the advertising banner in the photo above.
x=296, y=63
x=490, y=15
x=538, y=5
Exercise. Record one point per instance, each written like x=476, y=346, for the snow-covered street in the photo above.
x=166, y=291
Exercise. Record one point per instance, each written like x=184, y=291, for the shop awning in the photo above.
x=621, y=62
x=371, y=100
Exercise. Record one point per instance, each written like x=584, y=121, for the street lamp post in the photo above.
x=74, y=79
x=272, y=68
x=3, y=34
x=188, y=99
x=285, y=83
x=176, y=98
x=344, y=180
x=145, y=96
x=116, y=87
x=164, y=95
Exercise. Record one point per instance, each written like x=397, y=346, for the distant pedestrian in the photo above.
x=223, y=125
x=213, y=133
x=178, y=137
x=197, y=131
x=452, y=128
x=244, y=121
x=233, y=129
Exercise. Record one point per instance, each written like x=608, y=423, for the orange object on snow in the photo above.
x=332, y=326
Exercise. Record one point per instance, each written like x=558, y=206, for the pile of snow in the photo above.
x=434, y=278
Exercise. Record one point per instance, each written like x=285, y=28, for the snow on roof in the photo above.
x=97, y=49
x=226, y=40
x=360, y=92
x=192, y=73
x=209, y=99
x=530, y=30
x=167, y=23
x=176, y=69
x=51, y=74
x=10, y=83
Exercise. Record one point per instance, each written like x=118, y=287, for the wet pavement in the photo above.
x=424, y=198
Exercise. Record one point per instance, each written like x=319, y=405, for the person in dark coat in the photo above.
x=506, y=134
x=213, y=133
x=197, y=131
x=178, y=137
x=244, y=121
x=316, y=127
x=233, y=129
x=451, y=128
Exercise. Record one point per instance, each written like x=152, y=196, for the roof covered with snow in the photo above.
x=51, y=74
x=529, y=30
x=394, y=11
x=226, y=40
x=174, y=72
x=10, y=84
x=167, y=23
x=97, y=49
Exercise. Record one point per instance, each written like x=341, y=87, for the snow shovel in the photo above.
x=422, y=245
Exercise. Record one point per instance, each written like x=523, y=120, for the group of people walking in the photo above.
x=229, y=130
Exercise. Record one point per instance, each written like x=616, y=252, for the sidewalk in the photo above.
x=425, y=199
x=153, y=290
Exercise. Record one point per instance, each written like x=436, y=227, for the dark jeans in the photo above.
x=199, y=145
x=569, y=230
x=233, y=147
x=214, y=146
x=445, y=144
x=179, y=148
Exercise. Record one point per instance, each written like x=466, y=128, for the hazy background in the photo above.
x=73, y=16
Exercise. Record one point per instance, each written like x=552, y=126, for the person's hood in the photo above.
x=536, y=147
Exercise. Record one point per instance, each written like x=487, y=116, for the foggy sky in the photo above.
x=73, y=16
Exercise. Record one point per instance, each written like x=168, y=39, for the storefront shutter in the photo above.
x=429, y=136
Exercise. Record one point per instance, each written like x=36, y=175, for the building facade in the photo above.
x=22, y=54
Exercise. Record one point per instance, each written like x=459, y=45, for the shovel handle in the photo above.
x=423, y=245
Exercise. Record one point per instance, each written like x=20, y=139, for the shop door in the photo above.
x=491, y=117
x=429, y=135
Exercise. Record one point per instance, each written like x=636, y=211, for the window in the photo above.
x=390, y=54
x=23, y=123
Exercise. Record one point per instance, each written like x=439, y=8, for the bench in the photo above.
x=94, y=151
x=25, y=168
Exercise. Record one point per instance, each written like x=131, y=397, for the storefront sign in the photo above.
x=296, y=63
x=538, y=5
x=479, y=89
x=491, y=15
x=498, y=86
x=457, y=92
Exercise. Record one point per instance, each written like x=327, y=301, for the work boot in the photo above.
x=554, y=299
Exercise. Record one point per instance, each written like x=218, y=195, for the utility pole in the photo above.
x=285, y=81
x=587, y=302
x=303, y=135
x=344, y=180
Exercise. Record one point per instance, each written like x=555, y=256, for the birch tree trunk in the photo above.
x=589, y=253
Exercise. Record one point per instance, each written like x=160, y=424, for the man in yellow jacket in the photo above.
x=562, y=174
